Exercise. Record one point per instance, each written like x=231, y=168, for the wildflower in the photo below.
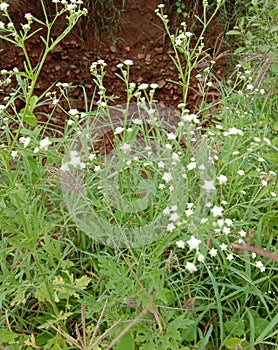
x=125, y=147
x=262, y=91
x=260, y=159
x=223, y=246
x=161, y=164
x=160, y=6
x=45, y=143
x=226, y=230
x=189, y=212
x=228, y=222
x=167, y=211
x=14, y=154
x=209, y=84
x=167, y=177
x=137, y=121
x=180, y=244
x=119, y=65
x=70, y=122
x=28, y=16
x=143, y=86
x=190, y=267
x=168, y=146
x=73, y=111
x=222, y=179
x=200, y=257
x=119, y=130
x=260, y=265
x=4, y=6
x=174, y=217
x=25, y=141
x=213, y=252
x=230, y=257
x=250, y=87
x=264, y=183
x=240, y=172
x=194, y=243
x=235, y=131
x=209, y=185
x=170, y=227
x=171, y=136
x=92, y=156
x=257, y=139
x=128, y=62
x=64, y=167
x=154, y=86
x=216, y=211
x=191, y=165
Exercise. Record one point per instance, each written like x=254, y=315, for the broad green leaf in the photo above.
x=28, y=117
x=6, y=336
x=234, y=344
x=126, y=342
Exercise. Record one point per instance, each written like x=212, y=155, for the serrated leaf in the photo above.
x=7, y=336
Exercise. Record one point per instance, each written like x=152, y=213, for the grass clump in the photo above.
x=138, y=227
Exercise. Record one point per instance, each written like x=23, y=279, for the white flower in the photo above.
x=14, y=154
x=170, y=227
x=137, y=121
x=189, y=212
x=264, y=183
x=73, y=111
x=223, y=246
x=213, y=252
x=230, y=257
x=28, y=16
x=97, y=168
x=194, y=243
x=240, y=172
x=119, y=65
x=160, y=6
x=200, y=257
x=174, y=217
x=222, y=179
x=167, y=211
x=4, y=6
x=228, y=222
x=125, y=147
x=226, y=230
x=171, y=136
x=161, y=164
x=128, y=62
x=260, y=265
x=167, y=177
x=154, y=86
x=260, y=159
x=216, y=211
x=250, y=87
x=64, y=167
x=25, y=141
x=118, y=130
x=235, y=153
x=257, y=139
x=235, y=131
x=45, y=143
x=36, y=150
x=190, y=267
x=180, y=244
x=70, y=122
x=209, y=185
x=143, y=86
x=191, y=165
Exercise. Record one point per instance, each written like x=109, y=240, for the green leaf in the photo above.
x=28, y=117
x=33, y=101
x=235, y=327
x=233, y=32
x=126, y=342
x=7, y=336
x=233, y=344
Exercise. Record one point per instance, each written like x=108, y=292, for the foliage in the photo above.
x=206, y=275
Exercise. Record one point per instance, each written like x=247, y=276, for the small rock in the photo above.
x=161, y=83
x=112, y=48
x=158, y=49
x=140, y=56
x=148, y=57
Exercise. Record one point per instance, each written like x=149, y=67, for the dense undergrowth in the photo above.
x=170, y=240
